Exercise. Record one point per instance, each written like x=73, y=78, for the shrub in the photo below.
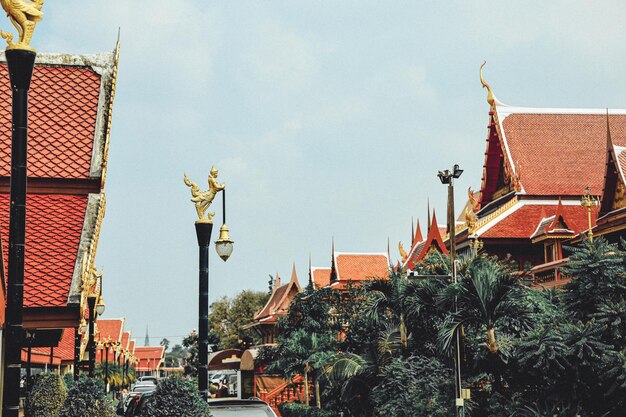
x=68, y=380
x=87, y=399
x=46, y=396
x=176, y=397
x=302, y=410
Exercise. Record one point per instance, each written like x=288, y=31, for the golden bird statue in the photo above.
x=24, y=15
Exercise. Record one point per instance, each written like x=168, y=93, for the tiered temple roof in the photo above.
x=70, y=109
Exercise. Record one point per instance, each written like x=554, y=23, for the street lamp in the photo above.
x=100, y=306
x=224, y=248
x=20, y=58
x=91, y=346
x=448, y=177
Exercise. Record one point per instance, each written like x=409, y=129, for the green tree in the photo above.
x=86, y=399
x=228, y=316
x=488, y=297
x=190, y=343
x=46, y=397
x=176, y=397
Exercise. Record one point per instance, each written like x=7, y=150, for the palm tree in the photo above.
x=488, y=296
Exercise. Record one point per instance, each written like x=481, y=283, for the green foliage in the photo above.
x=176, y=397
x=598, y=271
x=68, y=381
x=417, y=386
x=301, y=410
x=228, y=316
x=190, y=343
x=86, y=399
x=47, y=396
x=384, y=349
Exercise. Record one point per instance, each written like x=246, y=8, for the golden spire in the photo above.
x=491, y=99
x=24, y=15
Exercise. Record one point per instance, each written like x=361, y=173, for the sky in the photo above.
x=326, y=119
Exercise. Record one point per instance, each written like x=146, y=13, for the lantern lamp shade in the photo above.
x=224, y=249
x=223, y=245
x=100, y=308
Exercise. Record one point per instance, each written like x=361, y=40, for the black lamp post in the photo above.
x=91, y=345
x=21, y=63
x=224, y=248
x=448, y=177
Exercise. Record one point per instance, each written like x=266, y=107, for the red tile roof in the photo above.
x=125, y=340
x=63, y=103
x=150, y=357
x=131, y=347
x=54, y=225
x=320, y=276
x=432, y=241
x=110, y=329
x=41, y=355
x=361, y=266
x=559, y=152
x=281, y=297
x=65, y=349
x=522, y=223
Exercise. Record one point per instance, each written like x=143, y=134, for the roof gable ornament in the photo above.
x=491, y=98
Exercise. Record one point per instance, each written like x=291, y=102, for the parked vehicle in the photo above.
x=230, y=407
x=137, y=405
x=137, y=391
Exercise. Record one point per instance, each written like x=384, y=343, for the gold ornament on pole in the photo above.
x=589, y=201
x=203, y=199
x=24, y=15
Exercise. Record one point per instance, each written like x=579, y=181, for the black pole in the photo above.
x=76, y=353
x=91, y=345
x=21, y=64
x=457, y=359
x=203, y=233
x=106, y=368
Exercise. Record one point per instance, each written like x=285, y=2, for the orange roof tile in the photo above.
x=150, y=357
x=281, y=297
x=110, y=329
x=63, y=103
x=320, y=276
x=125, y=340
x=361, y=266
x=433, y=240
x=522, y=223
x=559, y=151
x=65, y=349
x=54, y=224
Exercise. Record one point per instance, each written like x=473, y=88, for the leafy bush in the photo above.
x=68, y=380
x=417, y=386
x=87, y=399
x=46, y=396
x=302, y=410
x=176, y=397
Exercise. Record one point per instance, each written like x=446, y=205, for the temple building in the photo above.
x=265, y=321
x=70, y=108
x=540, y=164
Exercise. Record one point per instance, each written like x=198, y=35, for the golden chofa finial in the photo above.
x=203, y=199
x=24, y=15
x=490, y=97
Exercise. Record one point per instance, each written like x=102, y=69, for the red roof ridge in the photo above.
x=433, y=238
x=418, y=235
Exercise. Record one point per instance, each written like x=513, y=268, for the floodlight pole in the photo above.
x=448, y=177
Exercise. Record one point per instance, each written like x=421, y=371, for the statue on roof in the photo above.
x=203, y=199
x=24, y=15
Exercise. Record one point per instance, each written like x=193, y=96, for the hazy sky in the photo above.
x=325, y=118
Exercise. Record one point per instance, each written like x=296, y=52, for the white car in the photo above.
x=232, y=407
